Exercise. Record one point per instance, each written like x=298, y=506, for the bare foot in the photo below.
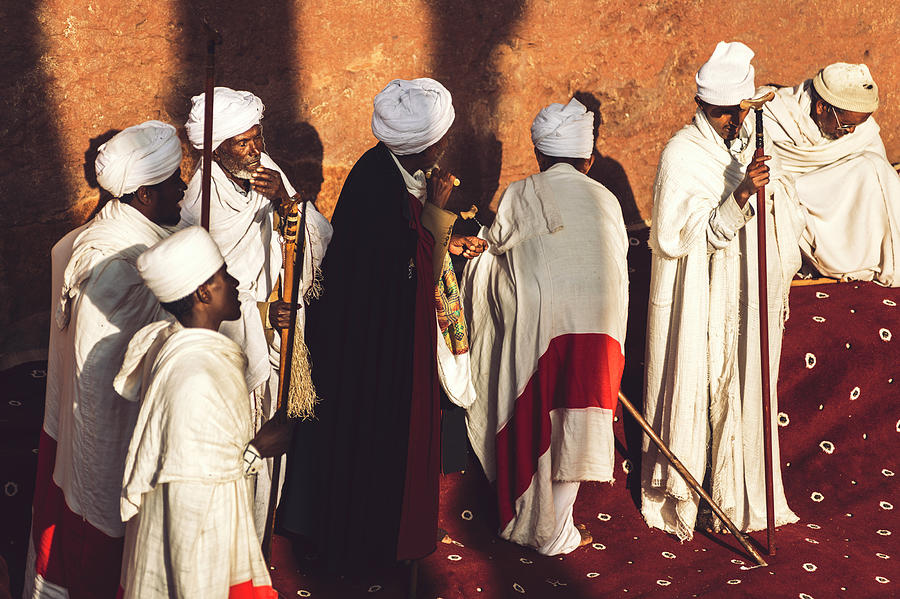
x=586, y=538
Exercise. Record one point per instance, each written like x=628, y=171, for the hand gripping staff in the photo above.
x=765, y=357
x=294, y=251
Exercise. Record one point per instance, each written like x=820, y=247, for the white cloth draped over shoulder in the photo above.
x=547, y=308
x=702, y=362
x=185, y=497
x=848, y=189
x=103, y=301
x=242, y=226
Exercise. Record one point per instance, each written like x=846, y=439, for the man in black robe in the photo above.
x=362, y=479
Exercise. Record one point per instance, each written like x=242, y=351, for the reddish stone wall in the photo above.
x=73, y=72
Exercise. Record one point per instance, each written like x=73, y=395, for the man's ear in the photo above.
x=143, y=196
x=203, y=294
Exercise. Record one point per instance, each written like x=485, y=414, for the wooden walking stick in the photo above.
x=212, y=39
x=765, y=357
x=294, y=250
x=691, y=481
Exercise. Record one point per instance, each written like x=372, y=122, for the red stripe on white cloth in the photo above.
x=69, y=553
x=244, y=590
x=578, y=370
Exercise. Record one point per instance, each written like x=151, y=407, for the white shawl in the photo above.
x=849, y=191
x=187, y=501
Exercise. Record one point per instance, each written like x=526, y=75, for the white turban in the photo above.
x=727, y=77
x=233, y=113
x=144, y=154
x=177, y=265
x=848, y=87
x=410, y=116
x=564, y=131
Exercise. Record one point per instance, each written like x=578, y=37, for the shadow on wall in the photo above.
x=466, y=35
x=606, y=169
x=34, y=197
x=297, y=149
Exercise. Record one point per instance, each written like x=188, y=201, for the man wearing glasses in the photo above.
x=824, y=135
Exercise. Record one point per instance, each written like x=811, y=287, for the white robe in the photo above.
x=702, y=381
x=848, y=189
x=242, y=227
x=99, y=301
x=185, y=496
x=103, y=302
x=547, y=308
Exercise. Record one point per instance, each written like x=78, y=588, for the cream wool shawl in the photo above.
x=102, y=302
x=692, y=383
x=187, y=501
x=848, y=188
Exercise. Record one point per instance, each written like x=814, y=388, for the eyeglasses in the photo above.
x=842, y=127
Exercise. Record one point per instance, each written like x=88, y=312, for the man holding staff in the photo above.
x=702, y=387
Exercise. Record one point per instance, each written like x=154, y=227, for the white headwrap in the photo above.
x=144, y=154
x=234, y=112
x=727, y=77
x=177, y=265
x=564, y=131
x=848, y=87
x=410, y=116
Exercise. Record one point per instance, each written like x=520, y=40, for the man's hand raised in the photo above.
x=440, y=184
x=268, y=182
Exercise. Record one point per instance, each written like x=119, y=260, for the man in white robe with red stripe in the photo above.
x=187, y=490
x=547, y=307
x=99, y=302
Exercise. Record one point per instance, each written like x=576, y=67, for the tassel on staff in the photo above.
x=296, y=394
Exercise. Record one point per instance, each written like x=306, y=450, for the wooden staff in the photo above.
x=213, y=38
x=691, y=481
x=294, y=251
x=765, y=358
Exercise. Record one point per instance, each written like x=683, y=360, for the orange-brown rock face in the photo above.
x=74, y=72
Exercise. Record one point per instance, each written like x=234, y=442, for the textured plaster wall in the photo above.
x=74, y=72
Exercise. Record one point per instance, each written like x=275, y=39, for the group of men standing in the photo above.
x=160, y=425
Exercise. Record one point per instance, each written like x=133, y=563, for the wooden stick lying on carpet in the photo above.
x=683, y=471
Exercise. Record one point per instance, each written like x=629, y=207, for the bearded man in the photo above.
x=76, y=537
x=547, y=305
x=824, y=134
x=187, y=493
x=247, y=188
x=362, y=479
x=702, y=386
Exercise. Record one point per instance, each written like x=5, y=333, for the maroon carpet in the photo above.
x=839, y=431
